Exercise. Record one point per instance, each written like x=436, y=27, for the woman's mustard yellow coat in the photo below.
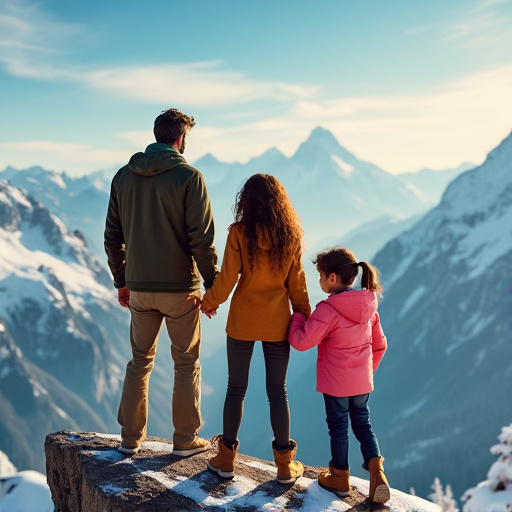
x=260, y=306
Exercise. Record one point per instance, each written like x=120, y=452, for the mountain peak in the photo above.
x=321, y=138
x=207, y=160
x=267, y=161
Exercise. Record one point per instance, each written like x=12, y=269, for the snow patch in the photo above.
x=346, y=169
x=108, y=455
x=112, y=489
x=414, y=409
x=412, y=299
x=26, y=491
x=158, y=446
x=483, y=499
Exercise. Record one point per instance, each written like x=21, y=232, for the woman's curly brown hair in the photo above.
x=265, y=212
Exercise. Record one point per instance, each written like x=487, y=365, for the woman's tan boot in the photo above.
x=224, y=462
x=335, y=480
x=288, y=470
x=379, y=487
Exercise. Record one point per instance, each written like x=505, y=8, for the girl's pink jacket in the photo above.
x=351, y=343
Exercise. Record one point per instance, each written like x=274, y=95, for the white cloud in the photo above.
x=479, y=30
x=31, y=45
x=75, y=158
x=483, y=25
x=463, y=121
x=198, y=84
x=29, y=38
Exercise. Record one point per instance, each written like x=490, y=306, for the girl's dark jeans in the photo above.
x=338, y=410
x=277, y=355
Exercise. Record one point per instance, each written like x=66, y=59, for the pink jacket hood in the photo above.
x=358, y=306
x=346, y=328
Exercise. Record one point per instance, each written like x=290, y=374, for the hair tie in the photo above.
x=358, y=264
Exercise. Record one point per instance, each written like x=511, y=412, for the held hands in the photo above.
x=199, y=303
x=210, y=312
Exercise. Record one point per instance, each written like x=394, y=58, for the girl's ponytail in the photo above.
x=370, y=277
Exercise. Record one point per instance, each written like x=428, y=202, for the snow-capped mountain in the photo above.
x=322, y=176
x=33, y=403
x=63, y=337
x=443, y=389
x=81, y=203
x=332, y=190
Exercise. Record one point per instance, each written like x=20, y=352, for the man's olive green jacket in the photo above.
x=159, y=229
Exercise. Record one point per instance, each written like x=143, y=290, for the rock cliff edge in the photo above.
x=86, y=473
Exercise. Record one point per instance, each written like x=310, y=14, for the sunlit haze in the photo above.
x=402, y=84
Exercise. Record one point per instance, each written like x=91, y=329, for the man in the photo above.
x=158, y=239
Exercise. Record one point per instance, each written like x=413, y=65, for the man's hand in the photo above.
x=195, y=299
x=123, y=296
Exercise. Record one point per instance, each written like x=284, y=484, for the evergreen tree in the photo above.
x=500, y=473
x=444, y=498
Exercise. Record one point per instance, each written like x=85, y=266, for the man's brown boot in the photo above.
x=224, y=462
x=335, y=480
x=379, y=487
x=288, y=470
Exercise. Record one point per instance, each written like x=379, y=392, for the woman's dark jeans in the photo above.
x=338, y=410
x=277, y=355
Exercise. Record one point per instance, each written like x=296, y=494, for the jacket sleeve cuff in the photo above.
x=298, y=317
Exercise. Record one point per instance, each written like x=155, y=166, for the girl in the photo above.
x=263, y=259
x=351, y=344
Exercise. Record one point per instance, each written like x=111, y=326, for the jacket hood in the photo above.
x=157, y=158
x=357, y=305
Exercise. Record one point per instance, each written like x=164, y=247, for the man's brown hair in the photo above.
x=170, y=124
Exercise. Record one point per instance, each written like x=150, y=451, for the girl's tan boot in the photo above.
x=224, y=462
x=379, y=487
x=335, y=480
x=288, y=470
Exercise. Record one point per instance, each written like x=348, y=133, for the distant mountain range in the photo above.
x=64, y=339
x=444, y=389
x=322, y=176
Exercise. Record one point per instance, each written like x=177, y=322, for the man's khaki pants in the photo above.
x=182, y=319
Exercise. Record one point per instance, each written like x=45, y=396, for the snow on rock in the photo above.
x=155, y=479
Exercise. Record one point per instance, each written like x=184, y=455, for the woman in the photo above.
x=263, y=260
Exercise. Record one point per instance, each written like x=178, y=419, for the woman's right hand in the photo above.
x=209, y=312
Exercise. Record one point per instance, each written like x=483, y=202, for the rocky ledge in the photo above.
x=86, y=473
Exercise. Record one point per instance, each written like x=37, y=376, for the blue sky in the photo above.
x=403, y=84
